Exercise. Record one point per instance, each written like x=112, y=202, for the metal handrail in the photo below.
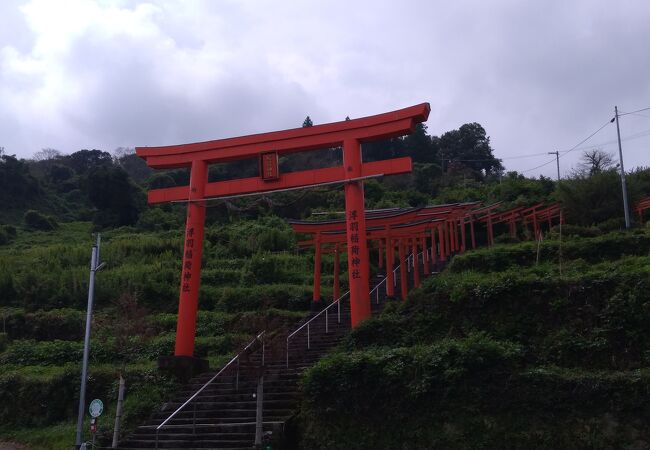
x=338, y=303
x=376, y=289
x=258, y=337
x=306, y=324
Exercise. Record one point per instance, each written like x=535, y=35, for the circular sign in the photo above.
x=96, y=408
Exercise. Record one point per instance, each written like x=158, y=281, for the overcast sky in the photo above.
x=538, y=75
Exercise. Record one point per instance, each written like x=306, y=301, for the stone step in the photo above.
x=223, y=415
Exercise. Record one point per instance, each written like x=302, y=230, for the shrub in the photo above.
x=235, y=299
x=155, y=219
x=4, y=339
x=63, y=324
x=4, y=237
x=37, y=221
x=267, y=268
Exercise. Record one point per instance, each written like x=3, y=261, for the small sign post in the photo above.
x=95, y=409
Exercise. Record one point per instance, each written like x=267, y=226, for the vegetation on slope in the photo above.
x=493, y=355
x=253, y=279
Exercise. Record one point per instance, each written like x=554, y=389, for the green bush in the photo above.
x=4, y=339
x=569, y=230
x=269, y=268
x=37, y=396
x=63, y=324
x=156, y=219
x=4, y=237
x=30, y=352
x=7, y=234
x=236, y=299
x=37, y=221
x=607, y=247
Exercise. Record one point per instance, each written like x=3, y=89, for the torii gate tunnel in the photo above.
x=267, y=147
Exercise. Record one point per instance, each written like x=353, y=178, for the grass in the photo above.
x=59, y=436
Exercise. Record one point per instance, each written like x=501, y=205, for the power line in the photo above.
x=532, y=155
x=641, y=115
x=537, y=167
x=637, y=135
x=586, y=139
x=633, y=112
x=570, y=150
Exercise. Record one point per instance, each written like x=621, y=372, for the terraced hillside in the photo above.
x=253, y=279
x=499, y=351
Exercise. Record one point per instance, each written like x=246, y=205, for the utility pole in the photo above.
x=95, y=266
x=557, y=160
x=626, y=208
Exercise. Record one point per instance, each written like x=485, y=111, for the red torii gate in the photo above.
x=484, y=214
x=395, y=228
x=400, y=235
x=537, y=216
x=641, y=206
x=267, y=147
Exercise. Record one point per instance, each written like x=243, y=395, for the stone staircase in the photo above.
x=223, y=415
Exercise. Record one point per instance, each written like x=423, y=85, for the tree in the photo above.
x=47, y=154
x=420, y=146
x=85, y=160
x=17, y=184
x=470, y=146
x=117, y=199
x=307, y=122
x=591, y=199
x=595, y=161
x=135, y=166
x=37, y=221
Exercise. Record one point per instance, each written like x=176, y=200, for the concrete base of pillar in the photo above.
x=183, y=367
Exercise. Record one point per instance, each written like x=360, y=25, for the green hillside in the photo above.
x=496, y=349
x=253, y=280
x=499, y=352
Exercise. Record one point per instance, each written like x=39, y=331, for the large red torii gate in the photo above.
x=267, y=147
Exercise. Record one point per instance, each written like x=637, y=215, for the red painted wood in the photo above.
x=390, y=259
x=317, y=269
x=365, y=129
x=191, y=270
x=286, y=181
x=403, y=277
x=355, y=215
x=336, y=290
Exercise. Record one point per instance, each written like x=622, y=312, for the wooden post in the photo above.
x=317, y=268
x=191, y=270
x=390, y=258
x=402, y=269
x=358, y=264
x=337, y=287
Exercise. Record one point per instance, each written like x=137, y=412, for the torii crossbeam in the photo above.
x=267, y=147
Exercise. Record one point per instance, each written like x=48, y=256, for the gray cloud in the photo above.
x=539, y=76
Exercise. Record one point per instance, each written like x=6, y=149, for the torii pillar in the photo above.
x=336, y=289
x=191, y=271
x=317, y=270
x=355, y=218
x=390, y=259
